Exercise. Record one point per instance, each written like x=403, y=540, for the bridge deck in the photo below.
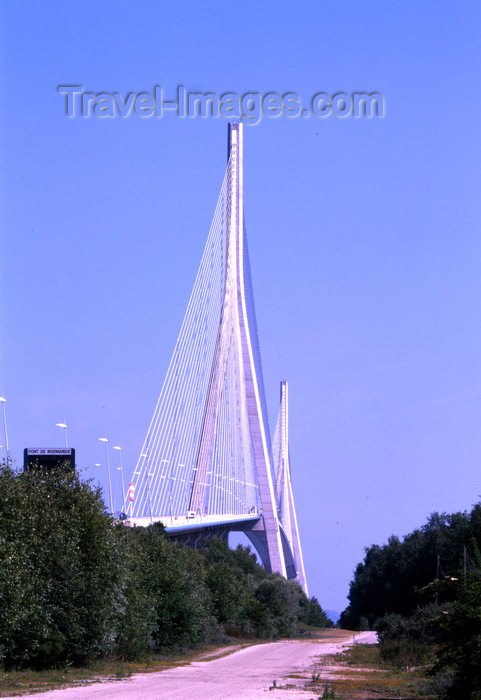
x=182, y=523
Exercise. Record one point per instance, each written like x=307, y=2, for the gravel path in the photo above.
x=246, y=674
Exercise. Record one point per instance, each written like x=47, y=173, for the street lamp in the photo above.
x=3, y=402
x=105, y=440
x=64, y=426
x=150, y=496
x=116, y=447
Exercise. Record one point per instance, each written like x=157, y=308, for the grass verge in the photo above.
x=358, y=673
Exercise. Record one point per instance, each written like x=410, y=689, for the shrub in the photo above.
x=59, y=570
x=409, y=641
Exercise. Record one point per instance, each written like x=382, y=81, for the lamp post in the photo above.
x=64, y=426
x=7, y=450
x=150, y=497
x=105, y=440
x=171, y=480
x=120, y=468
x=166, y=461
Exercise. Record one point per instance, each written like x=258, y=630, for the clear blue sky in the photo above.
x=364, y=239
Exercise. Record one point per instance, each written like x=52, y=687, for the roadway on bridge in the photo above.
x=246, y=674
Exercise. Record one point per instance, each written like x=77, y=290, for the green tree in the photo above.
x=460, y=635
x=136, y=613
x=397, y=577
x=172, y=578
x=232, y=577
x=312, y=614
x=281, y=599
x=59, y=570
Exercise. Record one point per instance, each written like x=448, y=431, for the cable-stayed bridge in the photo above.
x=207, y=465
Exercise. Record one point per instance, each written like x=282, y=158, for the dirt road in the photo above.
x=246, y=674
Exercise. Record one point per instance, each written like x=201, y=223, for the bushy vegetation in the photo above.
x=410, y=641
x=459, y=640
x=60, y=570
x=423, y=596
x=401, y=575
x=75, y=587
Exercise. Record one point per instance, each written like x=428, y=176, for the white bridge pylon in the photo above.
x=286, y=508
x=207, y=456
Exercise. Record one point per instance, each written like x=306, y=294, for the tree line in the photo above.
x=422, y=594
x=75, y=586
